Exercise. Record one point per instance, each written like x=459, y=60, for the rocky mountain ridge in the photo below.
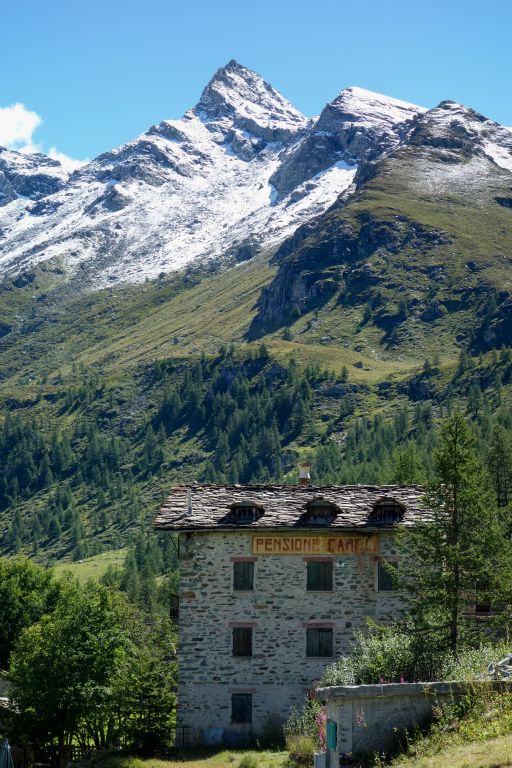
x=376, y=203
x=31, y=175
x=423, y=234
x=235, y=176
x=357, y=126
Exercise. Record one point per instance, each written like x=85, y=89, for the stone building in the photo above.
x=274, y=580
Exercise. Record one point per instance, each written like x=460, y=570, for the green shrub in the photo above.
x=340, y=673
x=472, y=663
x=248, y=761
x=391, y=655
x=384, y=656
x=302, y=731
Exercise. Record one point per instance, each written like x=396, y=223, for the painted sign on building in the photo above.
x=337, y=544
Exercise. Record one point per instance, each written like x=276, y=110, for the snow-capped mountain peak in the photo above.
x=196, y=188
x=359, y=105
x=454, y=128
x=242, y=96
x=237, y=174
x=358, y=125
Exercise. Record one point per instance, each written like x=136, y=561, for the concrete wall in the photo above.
x=279, y=673
x=371, y=718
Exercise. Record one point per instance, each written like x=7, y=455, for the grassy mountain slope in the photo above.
x=418, y=258
x=70, y=361
x=125, y=419
x=109, y=397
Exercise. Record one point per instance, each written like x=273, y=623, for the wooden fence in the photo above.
x=48, y=757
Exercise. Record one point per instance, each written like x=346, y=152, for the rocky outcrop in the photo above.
x=7, y=193
x=457, y=132
x=333, y=256
x=495, y=330
x=356, y=127
x=111, y=200
x=27, y=175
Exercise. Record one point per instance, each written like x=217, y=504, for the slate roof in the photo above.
x=284, y=506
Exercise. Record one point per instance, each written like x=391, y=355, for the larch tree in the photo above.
x=460, y=557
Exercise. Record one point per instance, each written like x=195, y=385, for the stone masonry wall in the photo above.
x=279, y=673
x=372, y=718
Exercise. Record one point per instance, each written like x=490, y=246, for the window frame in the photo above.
x=248, y=701
x=238, y=632
x=320, y=511
x=250, y=568
x=381, y=570
x=311, y=564
x=245, y=511
x=322, y=631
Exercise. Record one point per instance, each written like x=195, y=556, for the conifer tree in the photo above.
x=54, y=528
x=499, y=461
x=45, y=472
x=406, y=466
x=460, y=557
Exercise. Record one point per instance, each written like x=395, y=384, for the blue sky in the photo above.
x=91, y=74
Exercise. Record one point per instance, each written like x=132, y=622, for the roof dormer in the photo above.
x=245, y=511
x=320, y=511
x=386, y=511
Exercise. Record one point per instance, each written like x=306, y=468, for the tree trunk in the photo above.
x=454, y=611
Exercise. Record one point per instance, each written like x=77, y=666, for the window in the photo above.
x=320, y=512
x=245, y=511
x=241, y=707
x=385, y=579
x=174, y=606
x=243, y=575
x=242, y=641
x=319, y=577
x=386, y=512
x=319, y=642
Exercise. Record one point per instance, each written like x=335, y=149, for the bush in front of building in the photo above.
x=472, y=663
x=395, y=655
x=384, y=656
x=304, y=731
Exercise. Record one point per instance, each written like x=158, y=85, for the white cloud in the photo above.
x=17, y=126
x=68, y=163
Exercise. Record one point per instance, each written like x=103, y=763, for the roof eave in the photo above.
x=277, y=528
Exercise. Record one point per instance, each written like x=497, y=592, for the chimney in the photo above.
x=304, y=473
x=189, y=501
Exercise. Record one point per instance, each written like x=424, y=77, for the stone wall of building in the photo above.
x=372, y=718
x=279, y=673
